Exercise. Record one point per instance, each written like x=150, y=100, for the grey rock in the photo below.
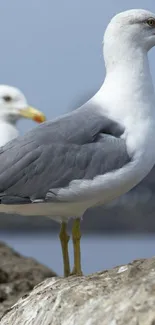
x=124, y=295
x=18, y=276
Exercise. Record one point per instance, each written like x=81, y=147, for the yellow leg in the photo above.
x=64, y=239
x=76, y=236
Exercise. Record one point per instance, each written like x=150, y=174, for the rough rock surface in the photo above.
x=124, y=295
x=18, y=275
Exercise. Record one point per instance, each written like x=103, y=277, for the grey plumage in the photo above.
x=75, y=146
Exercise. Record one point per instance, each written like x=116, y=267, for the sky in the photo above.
x=52, y=50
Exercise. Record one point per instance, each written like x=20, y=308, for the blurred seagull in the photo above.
x=13, y=106
x=96, y=153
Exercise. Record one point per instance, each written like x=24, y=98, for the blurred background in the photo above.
x=52, y=51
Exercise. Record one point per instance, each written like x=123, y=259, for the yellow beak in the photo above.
x=32, y=114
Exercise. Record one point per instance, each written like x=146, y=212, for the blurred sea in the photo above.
x=99, y=252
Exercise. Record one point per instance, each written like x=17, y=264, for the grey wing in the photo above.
x=79, y=145
x=41, y=172
x=79, y=127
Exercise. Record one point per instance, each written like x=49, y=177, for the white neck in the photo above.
x=129, y=75
x=8, y=132
x=128, y=91
x=127, y=96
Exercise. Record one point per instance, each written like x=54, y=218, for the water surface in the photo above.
x=98, y=251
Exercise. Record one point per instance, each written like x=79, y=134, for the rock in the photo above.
x=124, y=295
x=18, y=275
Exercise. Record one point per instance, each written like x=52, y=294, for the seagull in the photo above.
x=13, y=106
x=98, y=152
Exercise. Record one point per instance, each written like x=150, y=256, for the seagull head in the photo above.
x=132, y=29
x=13, y=106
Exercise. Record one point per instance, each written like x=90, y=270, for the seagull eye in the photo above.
x=151, y=22
x=7, y=98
